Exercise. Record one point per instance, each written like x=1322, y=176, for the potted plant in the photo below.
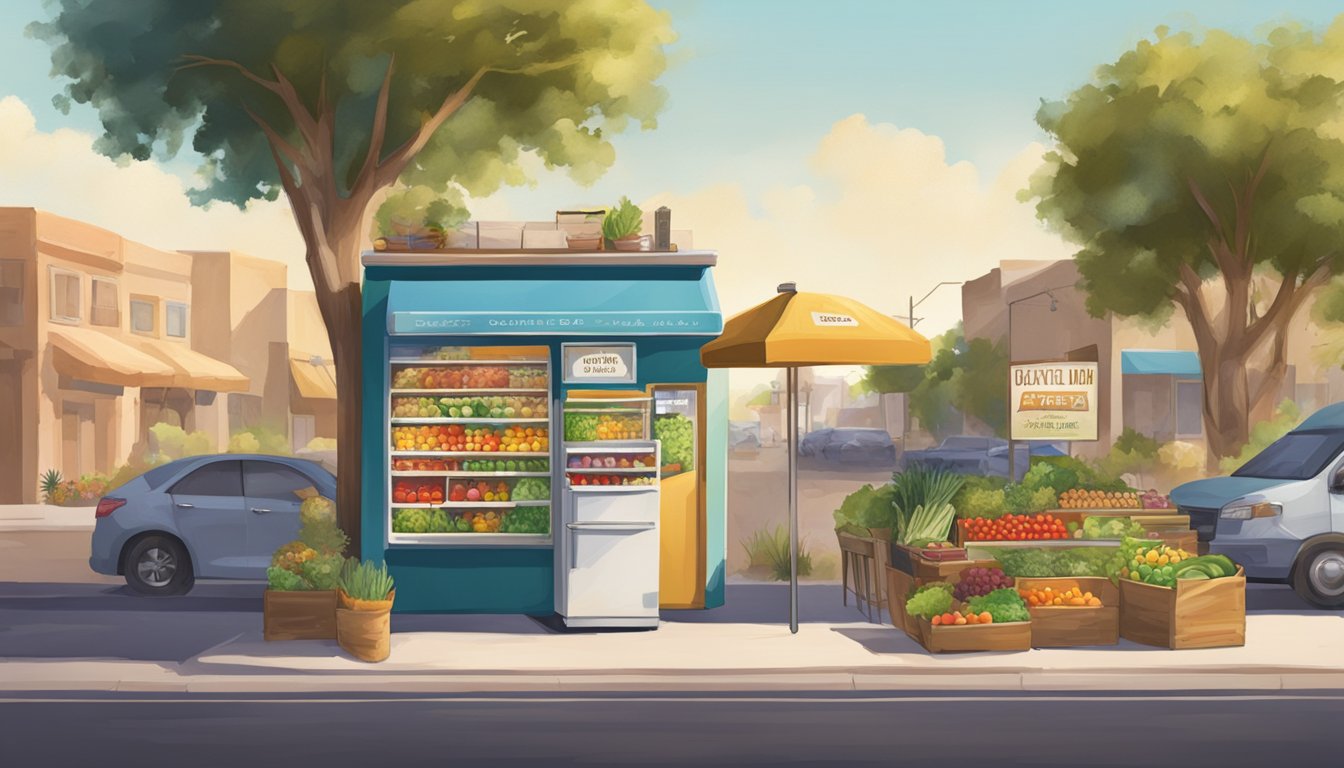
x=300, y=598
x=363, y=620
x=621, y=227
x=416, y=218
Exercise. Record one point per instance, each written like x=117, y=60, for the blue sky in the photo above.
x=760, y=81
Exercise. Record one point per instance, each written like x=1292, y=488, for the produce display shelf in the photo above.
x=463, y=420
x=1116, y=511
x=613, y=446
x=612, y=488
x=501, y=455
x=470, y=539
x=1060, y=543
x=612, y=471
x=631, y=399
x=473, y=504
x=462, y=473
x=416, y=361
x=605, y=410
x=487, y=391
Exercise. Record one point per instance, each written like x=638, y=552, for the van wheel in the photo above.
x=1319, y=575
x=158, y=565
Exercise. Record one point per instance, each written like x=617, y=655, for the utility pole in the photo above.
x=911, y=321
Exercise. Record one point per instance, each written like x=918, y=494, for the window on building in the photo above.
x=1189, y=408
x=105, y=308
x=65, y=296
x=11, y=292
x=175, y=321
x=144, y=315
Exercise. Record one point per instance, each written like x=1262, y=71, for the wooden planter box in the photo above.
x=899, y=584
x=1193, y=614
x=1011, y=636
x=1070, y=626
x=299, y=615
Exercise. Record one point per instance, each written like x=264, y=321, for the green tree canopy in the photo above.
x=331, y=102
x=1194, y=162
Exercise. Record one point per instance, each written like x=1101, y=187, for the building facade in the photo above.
x=102, y=337
x=1150, y=378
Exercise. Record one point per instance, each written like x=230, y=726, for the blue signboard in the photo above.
x=557, y=323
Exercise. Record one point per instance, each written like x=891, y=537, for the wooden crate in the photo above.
x=1065, y=626
x=298, y=615
x=1186, y=540
x=947, y=570
x=899, y=584
x=1193, y=614
x=1011, y=636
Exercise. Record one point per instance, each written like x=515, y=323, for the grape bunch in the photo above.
x=980, y=581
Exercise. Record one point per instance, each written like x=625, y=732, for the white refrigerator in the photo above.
x=606, y=565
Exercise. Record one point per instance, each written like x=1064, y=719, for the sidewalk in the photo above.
x=1282, y=652
x=45, y=517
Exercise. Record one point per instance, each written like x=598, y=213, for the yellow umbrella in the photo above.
x=803, y=329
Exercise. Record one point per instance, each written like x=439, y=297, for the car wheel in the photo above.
x=158, y=565
x=1319, y=575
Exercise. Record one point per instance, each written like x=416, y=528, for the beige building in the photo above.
x=1150, y=379
x=102, y=337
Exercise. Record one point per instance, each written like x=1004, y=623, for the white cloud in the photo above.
x=60, y=172
x=878, y=215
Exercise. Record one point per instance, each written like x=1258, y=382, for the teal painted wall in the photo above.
x=716, y=487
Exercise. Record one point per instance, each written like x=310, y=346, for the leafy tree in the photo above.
x=1188, y=167
x=330, y=103
x=970, y=378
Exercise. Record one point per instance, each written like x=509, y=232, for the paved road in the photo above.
x=621, y=731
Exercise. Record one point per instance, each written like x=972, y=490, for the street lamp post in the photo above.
x=911, y=320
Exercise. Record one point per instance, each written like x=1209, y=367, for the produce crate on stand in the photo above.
x=1068, y=626
x=1193, y=614
x=1009, y=636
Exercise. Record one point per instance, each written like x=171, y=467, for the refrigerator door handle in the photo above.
x=609, y=526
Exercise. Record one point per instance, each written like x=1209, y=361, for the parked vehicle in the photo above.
x=977, y=455
x=1281, y=515
x=207, y=517
x=848, y=447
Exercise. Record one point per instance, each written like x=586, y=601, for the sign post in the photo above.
x=1052, y=401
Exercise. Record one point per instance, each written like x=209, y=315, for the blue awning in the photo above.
x=589, y=304
x=1160, y=362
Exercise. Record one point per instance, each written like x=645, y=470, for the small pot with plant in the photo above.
x=363, y=620
x=300, y=598
x=621, y=227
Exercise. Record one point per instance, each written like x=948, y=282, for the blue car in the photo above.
x=976, y=455
x=208, y=517
x=848, y=447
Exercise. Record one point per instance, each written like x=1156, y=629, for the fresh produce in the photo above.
x=1078, y=498
x=426, y=491
x=1048, y=596
x=590, y=427
x=1047, y=562
x=283, y=580
x=527, y=520
x=532, y=489
x=956, y=618
x=584, y=478
x=930, y=600
x=941, y=545
x=1151, y=499
x=426, y=465
x=421, y=521
x=447, y=353
x=470, y=438
x=498, y=407
x=1161, y=565
x=677, y=435
x=590, y=461
x=866, y=508
x=980, y=581
x=478, y=490
x=923, y=504
x=363, y=580
x=1014, y=528
x=1114, y=528
x=1003, y=604
x=470, y=377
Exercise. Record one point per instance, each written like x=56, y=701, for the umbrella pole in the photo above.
x=791, y=424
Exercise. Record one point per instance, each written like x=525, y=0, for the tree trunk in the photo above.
x=1227, y=403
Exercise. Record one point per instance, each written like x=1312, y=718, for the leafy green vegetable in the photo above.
x=923, y=503
x=1115, y=528
x=1043, y=562
x=622, y=221
x=943, y=585
x=1003, y=604
x=677, y=435
x=929, y=603
x=868, y=507
x=282, y=580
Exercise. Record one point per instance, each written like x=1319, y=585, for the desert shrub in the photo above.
x=169, y=442
x=770, y=548
x=259, y=440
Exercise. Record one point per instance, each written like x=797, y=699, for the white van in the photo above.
x=1281, y=516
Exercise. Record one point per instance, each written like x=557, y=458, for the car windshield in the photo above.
x=1295, y=456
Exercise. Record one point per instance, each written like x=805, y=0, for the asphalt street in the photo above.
x=781, y=729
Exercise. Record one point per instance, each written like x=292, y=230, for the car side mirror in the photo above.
x=1337, y=483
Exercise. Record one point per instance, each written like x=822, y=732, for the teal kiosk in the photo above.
x=478, y=366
